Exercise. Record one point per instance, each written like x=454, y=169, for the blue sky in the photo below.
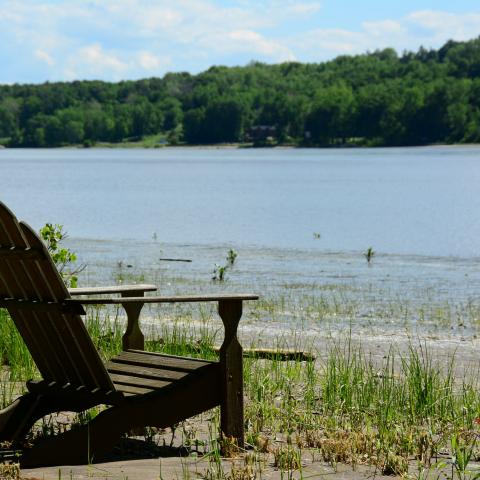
x=111, y=40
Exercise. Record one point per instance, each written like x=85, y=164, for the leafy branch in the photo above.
x=53, y=235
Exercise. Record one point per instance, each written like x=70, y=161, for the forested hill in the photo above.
x=379, y=98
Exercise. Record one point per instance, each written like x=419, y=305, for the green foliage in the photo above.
x=463, y=451
x=331, y=116
x=14, y=354
x=378, y=98
x=53, y=236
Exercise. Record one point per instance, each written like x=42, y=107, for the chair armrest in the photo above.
x=229, y=308
x=114, y=289
x=174, y=299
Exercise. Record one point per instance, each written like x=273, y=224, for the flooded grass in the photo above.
x=408, y=412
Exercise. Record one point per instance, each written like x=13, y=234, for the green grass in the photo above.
x=148, y=141
x=345, y=409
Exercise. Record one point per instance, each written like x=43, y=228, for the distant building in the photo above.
x=261, y=133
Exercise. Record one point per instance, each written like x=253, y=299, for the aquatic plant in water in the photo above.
x=231, y=256
x=219, y=273
x=369, y=254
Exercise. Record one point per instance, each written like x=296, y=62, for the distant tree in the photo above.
x=193, y=126
x=223, y=122
x=53, y=131
x=9, y=111
x=332, y=114
x=74, y=132
x=32, y=105
x=172, y=113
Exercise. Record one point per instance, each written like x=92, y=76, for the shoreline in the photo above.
x=238, y=146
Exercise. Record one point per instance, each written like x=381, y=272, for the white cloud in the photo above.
x=383, y=28
x=422, y=28
x=301, y=8
x=443, y=25
x=281, y=9
x=91, y=61
x=45, y=57
x=324, y=43
x=246, y=41
x=142, y=18
x=94, y=56
x=148, y=61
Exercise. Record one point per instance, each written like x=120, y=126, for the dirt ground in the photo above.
x=176, y=468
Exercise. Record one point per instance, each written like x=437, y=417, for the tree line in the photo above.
x=378, y=98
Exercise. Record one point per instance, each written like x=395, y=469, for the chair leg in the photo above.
x=18, y=417
x=81, y=445
x=231, y=363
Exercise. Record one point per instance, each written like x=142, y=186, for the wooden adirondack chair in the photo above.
x=141, y=388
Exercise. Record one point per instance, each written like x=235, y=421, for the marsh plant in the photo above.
x=219, y=273
x=231, y=257
x=369, y=254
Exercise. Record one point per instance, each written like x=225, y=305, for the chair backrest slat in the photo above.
x=58, y=342
x=14, y=285
x=72, y=335
x=23, y=253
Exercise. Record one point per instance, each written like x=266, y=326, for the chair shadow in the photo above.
x=138, y=449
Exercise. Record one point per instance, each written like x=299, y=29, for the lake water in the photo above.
x=415, y=201
x=300, y=219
